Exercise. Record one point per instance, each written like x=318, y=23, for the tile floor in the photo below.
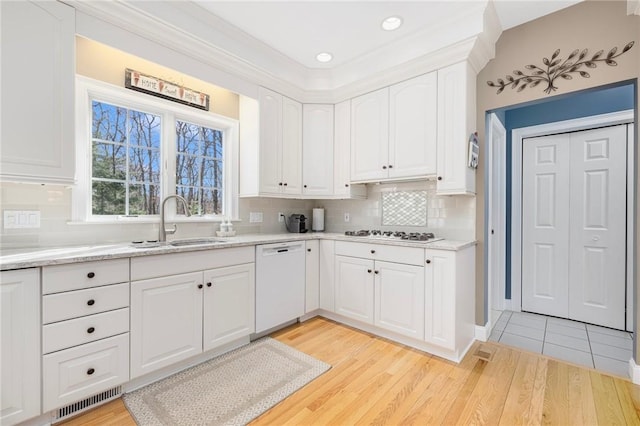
x=592, y=346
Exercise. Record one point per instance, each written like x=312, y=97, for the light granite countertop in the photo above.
x=36, y=257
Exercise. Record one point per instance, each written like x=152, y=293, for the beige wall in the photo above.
x=104, y=63
x=592, y=25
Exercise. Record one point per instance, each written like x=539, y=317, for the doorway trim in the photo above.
x=517, y=137
x=496, y=218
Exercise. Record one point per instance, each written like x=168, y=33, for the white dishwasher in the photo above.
x=280, y=287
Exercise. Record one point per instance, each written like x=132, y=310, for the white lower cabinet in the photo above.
x=85, y=370
x=166, y=321
x=229, y=311
x=20, y=345
x=386, y=294
x=176, y=317
x=449, y=298
x=354, y=288
x=399, y=298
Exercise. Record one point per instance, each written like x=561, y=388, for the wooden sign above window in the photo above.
x=140, y=82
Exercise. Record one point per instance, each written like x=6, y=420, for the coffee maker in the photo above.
x=296, y=223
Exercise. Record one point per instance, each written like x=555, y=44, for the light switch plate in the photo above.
x=14, y=219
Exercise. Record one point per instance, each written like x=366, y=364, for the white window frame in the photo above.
x=88, y=89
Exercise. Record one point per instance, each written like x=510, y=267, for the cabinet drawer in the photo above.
x=388, y=253
x=74, y=304
x=65, y=334
x=73, y=374
x=56, y=279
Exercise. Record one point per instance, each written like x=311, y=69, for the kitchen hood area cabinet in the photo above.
x=393, y=131
x=456, y=121
x=21, y=355
x=317, y=150
x=37, y=92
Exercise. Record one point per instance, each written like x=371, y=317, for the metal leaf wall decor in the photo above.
x=558, y=68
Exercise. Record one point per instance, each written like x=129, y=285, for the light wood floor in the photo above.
x=375, y=381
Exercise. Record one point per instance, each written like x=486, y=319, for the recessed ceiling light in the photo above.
x=391, y=23
x=324, y=57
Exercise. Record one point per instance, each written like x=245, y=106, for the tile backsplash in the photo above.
x=447, y=216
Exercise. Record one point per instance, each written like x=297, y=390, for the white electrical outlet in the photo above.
x=255, y=217
x=347, y=217
x=280, y=217
x=21, y=219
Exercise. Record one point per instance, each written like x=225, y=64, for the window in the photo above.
x=199, y=167
x=125, y=171
x=133, y=150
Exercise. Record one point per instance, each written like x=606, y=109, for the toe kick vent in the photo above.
x=484, y=353
x=88, y=403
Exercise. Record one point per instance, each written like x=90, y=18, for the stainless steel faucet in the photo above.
x=162, y=234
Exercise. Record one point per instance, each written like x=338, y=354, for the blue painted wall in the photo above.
x=559, y=108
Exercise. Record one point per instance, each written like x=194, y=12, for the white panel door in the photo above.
x=291, y=147
x=229, y=305
x=597, y=255
x=312, y=276
x=270, y=141
x=317, y=149
x=354, y=288
x=370, y=136
x=545, y=225
x=440, y=296
x=413, y=124
x=166, y=321
x=399, y=298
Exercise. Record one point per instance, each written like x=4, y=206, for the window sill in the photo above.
x=147, y=220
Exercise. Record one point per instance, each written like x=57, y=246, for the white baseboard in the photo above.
x=634, y=372
x=508, y=305
x=483, y=332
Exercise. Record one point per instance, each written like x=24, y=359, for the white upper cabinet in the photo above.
x=412, y=127
x=456, y=122
x=291, y=146
x=370, y=136
x=317, y=150
x=342, y=187
x=393, y=131
x=280, y=145
x=37, y=92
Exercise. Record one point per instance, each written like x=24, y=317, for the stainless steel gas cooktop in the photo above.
x=418, y=237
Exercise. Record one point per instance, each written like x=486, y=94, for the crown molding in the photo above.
x=633, y=7
x=187, y=29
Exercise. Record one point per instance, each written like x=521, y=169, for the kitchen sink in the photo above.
x=195, y=242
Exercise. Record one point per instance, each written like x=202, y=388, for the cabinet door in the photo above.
x=317, y=150
x=312, y=272
x=291, y=147
x=413, y=121
x=270, y=141
x=20, y=346
x=456, y=121
x=399, y=298
x=342, y=148
x=229, y=304
x=370, y=136
x=440, y=287
x=166, y=321
x=37, y=91
x=354, y=288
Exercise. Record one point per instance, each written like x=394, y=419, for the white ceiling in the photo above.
x=350, y=30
